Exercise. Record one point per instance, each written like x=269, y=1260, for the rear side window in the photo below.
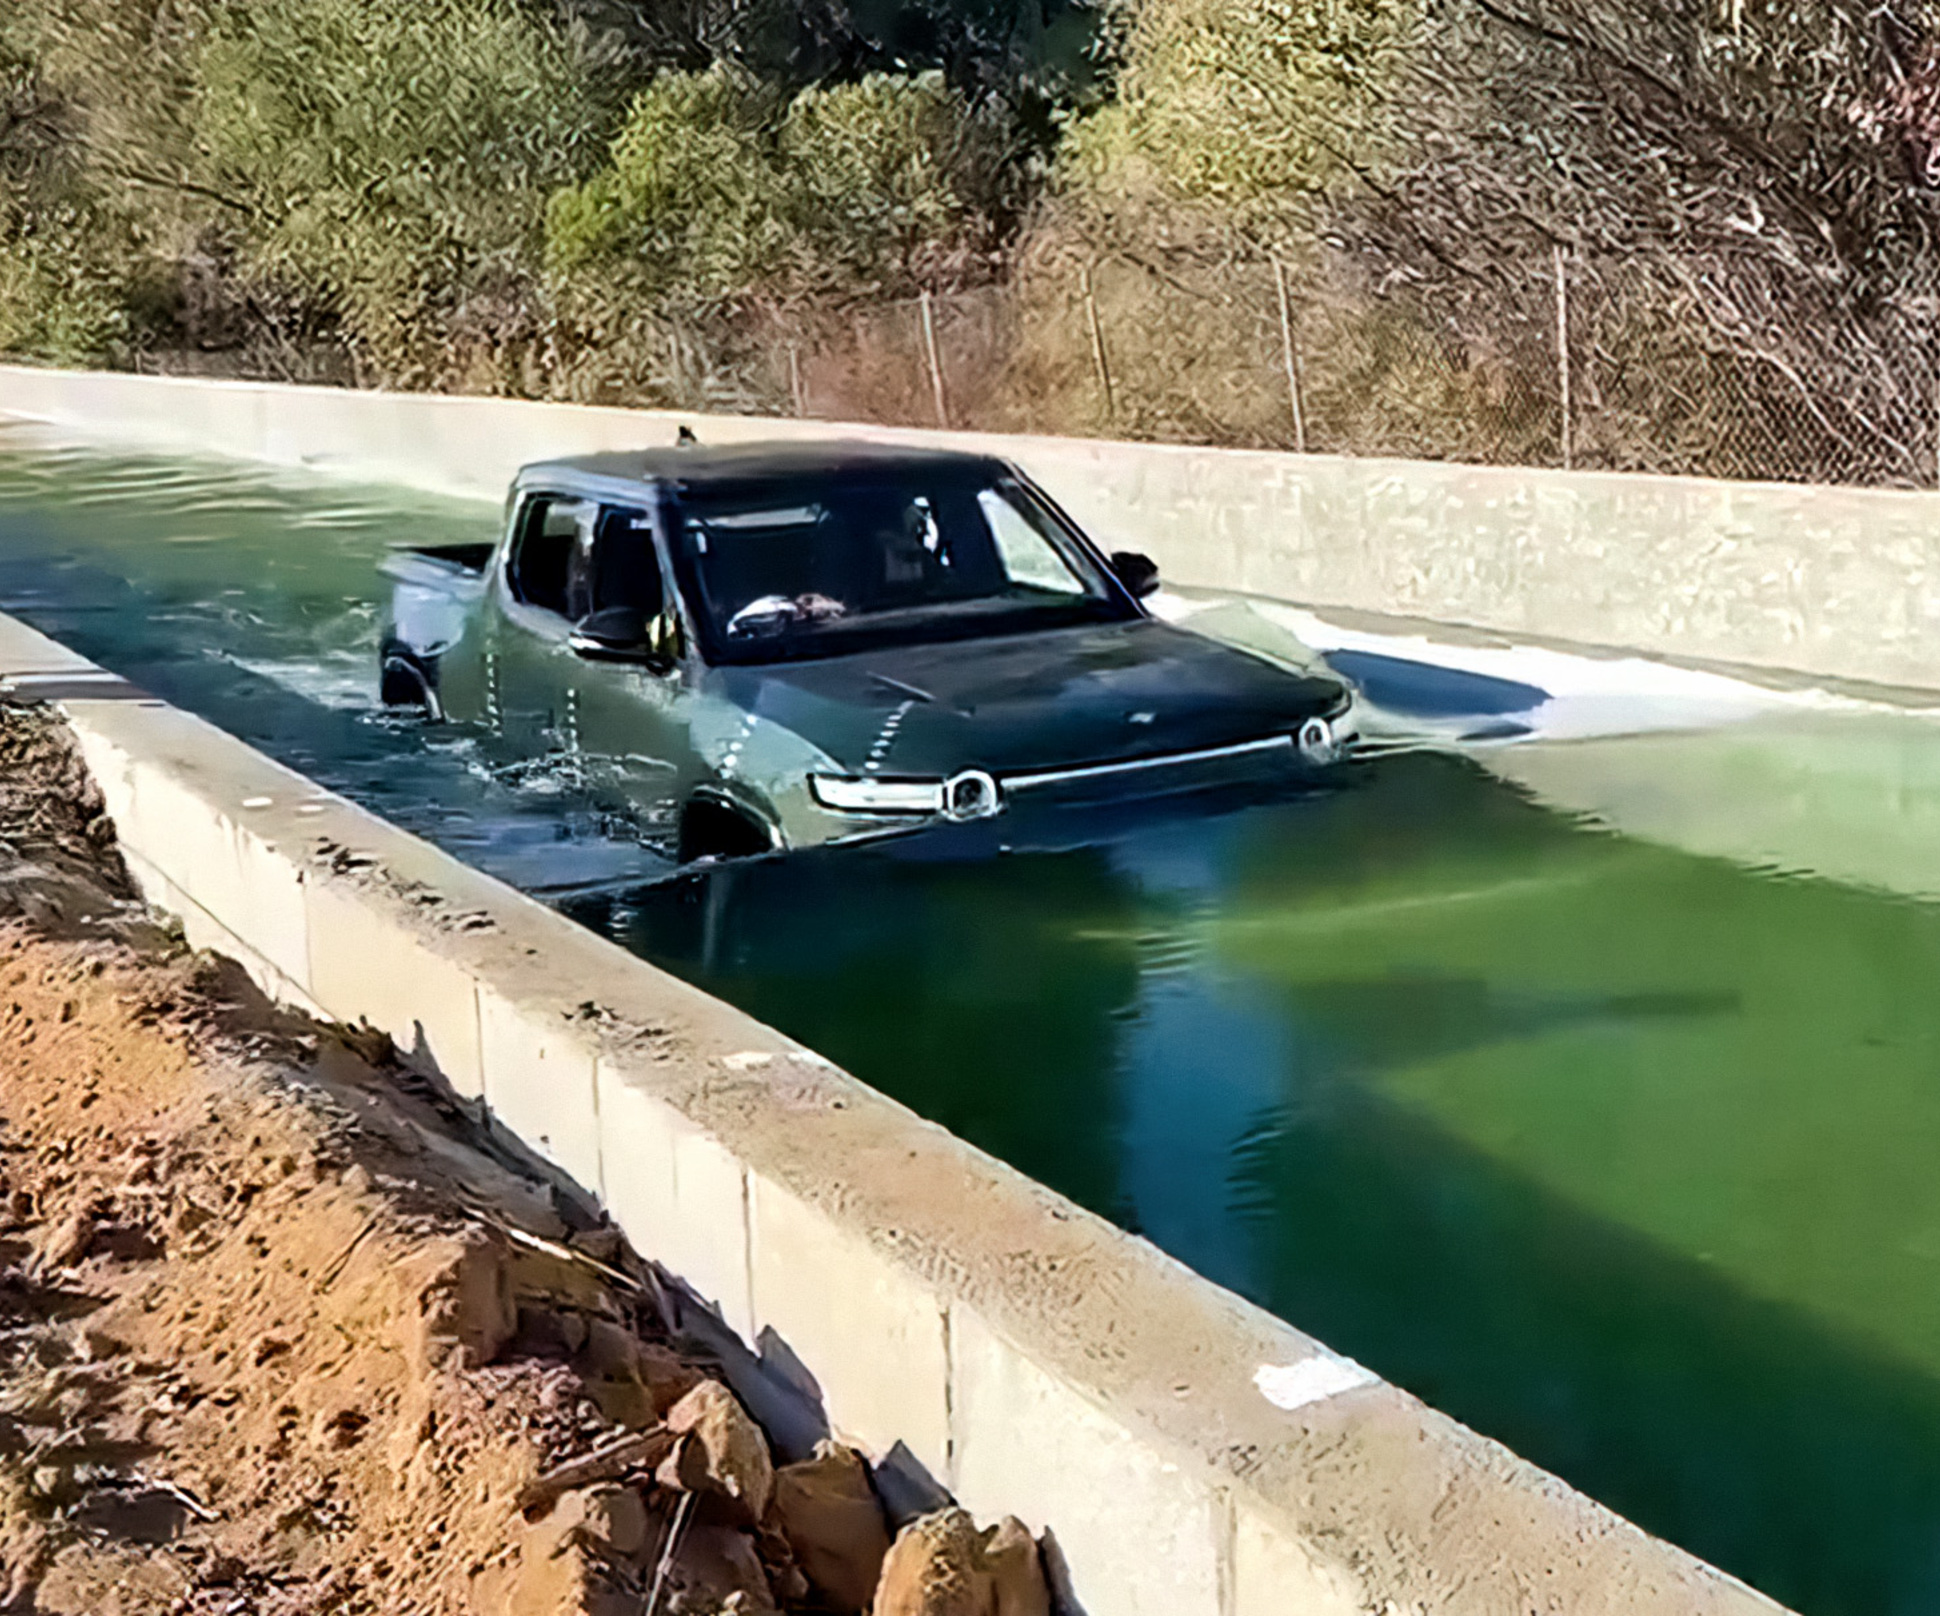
x=542, y=551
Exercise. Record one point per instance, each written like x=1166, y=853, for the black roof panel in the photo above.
x=700, y=466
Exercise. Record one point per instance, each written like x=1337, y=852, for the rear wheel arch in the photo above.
x=404, y=680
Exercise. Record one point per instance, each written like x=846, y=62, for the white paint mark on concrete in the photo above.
x=1312, y=1380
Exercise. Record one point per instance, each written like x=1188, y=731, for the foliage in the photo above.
x=391, y=158
x=719, y=189
x=1744, y=196
x=1252, y=105
x=1014, y=51
x=55, y=301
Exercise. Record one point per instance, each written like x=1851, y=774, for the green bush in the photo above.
x=63, y=291
x=894, y=179
x=392, y=159
x=1253, y=105
x=55, y=306
x=692, y=202
x=719, y=190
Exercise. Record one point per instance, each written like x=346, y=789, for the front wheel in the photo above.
x=713, y=828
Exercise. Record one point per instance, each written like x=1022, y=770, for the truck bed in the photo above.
x=445, y=568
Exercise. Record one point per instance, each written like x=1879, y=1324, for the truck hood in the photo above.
x=1053, y=700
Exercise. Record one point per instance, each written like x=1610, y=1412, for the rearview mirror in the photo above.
x=1138, y=573
x=625, y=634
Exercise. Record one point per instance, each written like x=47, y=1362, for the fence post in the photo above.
x=1098, y=360
x=1290, y=356
x=1563, y=356
x=795, y=390
x=936, y=363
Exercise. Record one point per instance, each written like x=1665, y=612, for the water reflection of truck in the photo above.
x=779, y=646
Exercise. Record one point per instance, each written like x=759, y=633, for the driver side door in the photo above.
x=633, y=718
x=530, y=667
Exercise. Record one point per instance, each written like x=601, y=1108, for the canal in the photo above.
x=1589, y=1091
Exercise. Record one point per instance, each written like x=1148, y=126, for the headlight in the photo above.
x=850, y=796
x=969, y=795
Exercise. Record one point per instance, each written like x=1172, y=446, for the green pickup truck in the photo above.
x=777, y=646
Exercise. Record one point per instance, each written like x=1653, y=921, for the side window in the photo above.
x=1029, y=558
x=617, y=567
x=542, y=551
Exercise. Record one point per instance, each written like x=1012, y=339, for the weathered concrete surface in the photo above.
x=1030, y=1357
x=1838, y=582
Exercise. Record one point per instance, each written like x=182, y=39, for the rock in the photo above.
x=931, y=1570
x=616, y=1519
x=720, y=1566
x=188, y=1222
x=1016, y=1571
x=833, y=1521
x=610, y=1519
x=721, y=1451
x=941, y=1565
x=633, y=1382
x=266, y=1347
x=67, y=1242
x=667, y=1377
x=336, y=1429
x=466, y=1309
x=603, y=1244
x=611, y=1351
x=785, y=1579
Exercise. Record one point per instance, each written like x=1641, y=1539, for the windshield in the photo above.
x=820, y=566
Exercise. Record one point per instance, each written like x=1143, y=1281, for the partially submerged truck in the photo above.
x=777, y=646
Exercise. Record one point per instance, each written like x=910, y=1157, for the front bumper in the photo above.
x=1320, y=745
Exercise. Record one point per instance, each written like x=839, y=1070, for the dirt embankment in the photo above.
x=283, y=1330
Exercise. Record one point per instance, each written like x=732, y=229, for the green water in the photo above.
x=1626, y=1155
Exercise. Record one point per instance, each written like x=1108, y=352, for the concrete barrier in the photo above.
x=1190, y=1454
x=1838, y=582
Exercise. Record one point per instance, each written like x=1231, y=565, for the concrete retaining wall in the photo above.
x=947, y=1314
x=1838, y=582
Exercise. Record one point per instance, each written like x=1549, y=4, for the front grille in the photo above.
x=1130, y=768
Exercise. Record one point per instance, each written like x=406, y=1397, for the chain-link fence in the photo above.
x=1560, y=361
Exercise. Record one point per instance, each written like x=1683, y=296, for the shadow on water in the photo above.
x=1619, y=1155
x=1802, y=1458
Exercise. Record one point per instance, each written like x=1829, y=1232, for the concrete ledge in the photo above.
x=1836, y=582
x=951, y=1316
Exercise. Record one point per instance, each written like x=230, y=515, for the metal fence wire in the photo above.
x=1561, y=361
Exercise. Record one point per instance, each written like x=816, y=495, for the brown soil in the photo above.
x=282, y=1330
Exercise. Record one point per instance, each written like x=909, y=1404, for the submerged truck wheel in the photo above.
x=712, y=827
x=403, y=682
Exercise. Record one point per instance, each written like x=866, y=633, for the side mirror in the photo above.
x=625, y=634
x=1138, y=573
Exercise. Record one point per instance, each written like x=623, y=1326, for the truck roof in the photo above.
x=703, y=466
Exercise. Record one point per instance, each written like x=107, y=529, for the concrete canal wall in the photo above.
x=1190, y=1455
x=1837, y=582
